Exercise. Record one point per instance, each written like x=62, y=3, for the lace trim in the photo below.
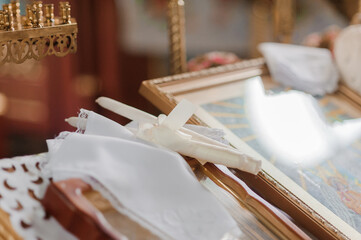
x=83, y=115
x=62, y=135
x=22, y=185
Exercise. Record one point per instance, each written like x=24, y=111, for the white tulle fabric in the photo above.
x=153, y=183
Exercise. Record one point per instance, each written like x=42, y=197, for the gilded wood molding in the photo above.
x=176, y=32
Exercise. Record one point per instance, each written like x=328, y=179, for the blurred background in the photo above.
x=122, y=43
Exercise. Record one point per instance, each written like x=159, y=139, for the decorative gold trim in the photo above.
x=253, y=63
x=176, y=32
x=303, y=206
x=20, y=45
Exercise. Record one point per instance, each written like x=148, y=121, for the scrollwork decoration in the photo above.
x=38, y=47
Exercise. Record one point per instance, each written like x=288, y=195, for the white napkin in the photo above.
x=308, y=69
x=153, y=183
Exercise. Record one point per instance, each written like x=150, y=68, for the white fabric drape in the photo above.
x=153, y=183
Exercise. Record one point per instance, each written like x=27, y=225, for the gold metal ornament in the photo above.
x=15, y=6
x=65, y=12
x=176, y=31
x=36, y=35
x=2, y=20
x=37, y=14
x=29, y=17
x=37, y=43
x=8, y=17
x=49, y=14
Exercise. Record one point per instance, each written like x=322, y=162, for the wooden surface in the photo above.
x=64, y=201
x=88, y=215
x=269, y=216
x=7, y=232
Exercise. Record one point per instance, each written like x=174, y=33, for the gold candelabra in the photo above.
x=37, y=34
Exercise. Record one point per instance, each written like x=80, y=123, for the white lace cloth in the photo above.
x=21, y=185
x=153, y=183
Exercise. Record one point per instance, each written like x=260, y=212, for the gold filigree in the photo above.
x=19, y=46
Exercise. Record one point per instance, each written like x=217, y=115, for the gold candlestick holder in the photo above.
x=36, y=35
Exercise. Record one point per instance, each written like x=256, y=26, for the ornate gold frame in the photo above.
x=165, y=92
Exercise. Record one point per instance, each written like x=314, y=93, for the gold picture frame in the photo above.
x=217, y=83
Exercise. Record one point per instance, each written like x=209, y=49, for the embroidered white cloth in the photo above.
x=153, y=183
x=308, y=69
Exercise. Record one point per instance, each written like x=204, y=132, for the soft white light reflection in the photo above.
x=291, y=126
